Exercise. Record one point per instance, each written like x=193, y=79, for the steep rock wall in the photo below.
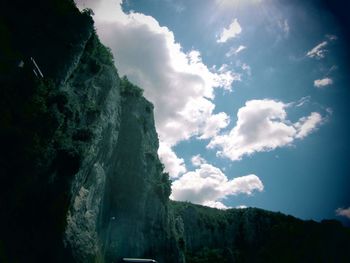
x=136, y=201
x=119, y=204
x=97, y=84
x=79, y=147
x=256, y=235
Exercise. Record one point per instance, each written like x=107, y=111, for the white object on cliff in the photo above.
x=36, y=69
x=143, y=260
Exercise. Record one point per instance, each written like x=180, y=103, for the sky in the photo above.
x=250, y=98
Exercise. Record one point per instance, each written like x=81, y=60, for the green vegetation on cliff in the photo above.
x=129, y=89
x=256, y=235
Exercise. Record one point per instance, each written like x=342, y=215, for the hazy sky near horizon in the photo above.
x=251, y=98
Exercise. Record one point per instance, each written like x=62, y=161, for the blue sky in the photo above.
x=250, y=98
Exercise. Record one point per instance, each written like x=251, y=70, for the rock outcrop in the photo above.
x=256, y=235
x=120, y=194
x=90, y=186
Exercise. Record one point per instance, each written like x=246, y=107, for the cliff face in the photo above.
x=119, y=197
x=120, y=194
x=81, y=178
x=84, y=180
x=255, y=235
x=97, y=84
x=136, y=198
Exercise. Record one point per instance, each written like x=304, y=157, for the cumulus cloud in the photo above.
x=197, y=160
x=343, y=212
x=235, y=51
x=214, y=124
x=320, y=83
x=318, y=51
x=262, y=125
x=231, y=31
x=174, y=165
x=208, y=185
x=178, y=83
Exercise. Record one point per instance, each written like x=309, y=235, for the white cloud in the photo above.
x=241, y=207
x=320, y=83
x=197, y=160
x=208, y=185
x=343, y=212
x=87, y=3
x=216, y=204
x=303, y=101
x=262, y=126
x=178, y=83
x=235, y=51
x=306, y=125
x=240, y=48
x=214, y=124
x=318, y=51
x=173, y=165
x=232, y=31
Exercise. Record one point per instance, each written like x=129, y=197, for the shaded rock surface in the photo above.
x=79, y=147
x=256, y=235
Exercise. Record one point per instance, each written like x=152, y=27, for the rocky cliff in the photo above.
x=80, y=148
x=256, y=235
x=120, y=194
x=82, y=181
